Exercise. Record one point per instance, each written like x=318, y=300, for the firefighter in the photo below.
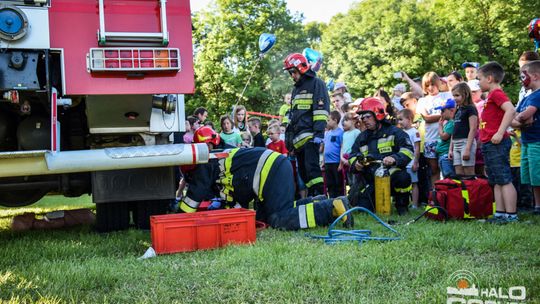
x=308, y=115
x=263, y=176
x=387, y=143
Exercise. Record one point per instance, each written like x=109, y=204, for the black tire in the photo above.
x=144, y=209
x=19, y=198
x=112, y=216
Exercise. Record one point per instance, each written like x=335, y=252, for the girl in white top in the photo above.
x=426, y=107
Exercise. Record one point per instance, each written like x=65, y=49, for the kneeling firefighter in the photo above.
x=264, y=176
x=384, y=142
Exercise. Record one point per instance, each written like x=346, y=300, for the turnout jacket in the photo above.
x=240, y=177
x=309, y=111
x=389, y=140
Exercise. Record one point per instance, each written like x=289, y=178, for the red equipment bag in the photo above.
x=467, y=197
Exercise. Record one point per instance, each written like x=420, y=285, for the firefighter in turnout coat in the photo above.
x=260, y=175
x=385, y=142
x=308, y=115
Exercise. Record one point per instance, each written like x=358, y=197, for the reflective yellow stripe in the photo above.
x=364, y=150
x=352, y=160
x=226, y=177
x=407, y=152
x=300, y=140
x=384, y=144
x=266, y=169
x=314, y=181
x=465, y=195
x=393, y=169
x=294, y=204
x=403, y=190
x=310, y=213
x=228, y=160
x=435, y=211
x=297, y=102
x=188, y=205
x=320, y=117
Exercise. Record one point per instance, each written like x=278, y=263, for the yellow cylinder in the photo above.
x=383, y=203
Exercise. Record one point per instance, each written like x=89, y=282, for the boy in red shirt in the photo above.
x=495, y=119
x=276, y=144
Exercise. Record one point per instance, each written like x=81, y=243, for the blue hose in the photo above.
x=336, y=235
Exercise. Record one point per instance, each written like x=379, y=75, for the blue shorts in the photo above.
x=497, y=162
x=530, y=164
x=413, y=174
x=447, y=169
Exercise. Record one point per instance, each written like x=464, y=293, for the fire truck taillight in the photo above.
x=133, y=59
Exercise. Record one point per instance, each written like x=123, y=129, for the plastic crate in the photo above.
x=202, y=230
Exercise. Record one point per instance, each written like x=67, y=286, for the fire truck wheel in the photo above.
x=112, y=216
x=19, y=198
x=144, y=209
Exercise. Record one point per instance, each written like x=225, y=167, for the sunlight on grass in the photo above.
x=49, y=203
x=79, y=265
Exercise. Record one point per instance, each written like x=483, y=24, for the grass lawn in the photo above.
x=81, y=266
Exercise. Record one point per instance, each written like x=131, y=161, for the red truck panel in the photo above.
x=74, y=25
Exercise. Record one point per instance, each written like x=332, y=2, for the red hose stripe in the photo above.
x=194, y=152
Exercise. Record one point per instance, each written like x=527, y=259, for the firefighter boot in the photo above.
x=341, y=205
x=402, y=203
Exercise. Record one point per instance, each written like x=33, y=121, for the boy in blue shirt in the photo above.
x=528, y=120
x=333, y=138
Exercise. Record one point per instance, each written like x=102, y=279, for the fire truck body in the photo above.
x=91, y=91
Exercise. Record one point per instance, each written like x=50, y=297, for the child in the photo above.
x=405, y=119
x=239, y=116
x=192, y=124
x=524, y=195
x=463, y=145
x=285, y=109
x=496, y=117
x=273, y=122
x=247, y=140
x=333, y=139
x=254, y=125
x=528, y=120
x=276, y=144
x=227, y=134
x=471, y=70
x=427, y=107
x=445, y=133
x=350, y=133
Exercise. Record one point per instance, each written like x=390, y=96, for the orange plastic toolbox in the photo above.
x=202, y=230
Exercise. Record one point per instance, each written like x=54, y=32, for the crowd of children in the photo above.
x=454, y=131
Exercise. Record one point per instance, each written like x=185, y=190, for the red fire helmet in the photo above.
x=373, y=104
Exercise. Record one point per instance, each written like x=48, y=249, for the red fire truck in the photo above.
x=90, y=93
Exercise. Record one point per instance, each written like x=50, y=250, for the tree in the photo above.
x=376, y=38
x=226, y=53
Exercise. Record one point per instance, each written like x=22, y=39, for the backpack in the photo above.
x=462, y=198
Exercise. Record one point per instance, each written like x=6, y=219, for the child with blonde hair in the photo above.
x=276, y=144
x=429, y=107
x=247, y=140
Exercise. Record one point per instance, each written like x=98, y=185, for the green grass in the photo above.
x=81, y=266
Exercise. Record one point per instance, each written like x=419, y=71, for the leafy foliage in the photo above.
x=363, y=47
x=226, y=54
x=377, y=38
